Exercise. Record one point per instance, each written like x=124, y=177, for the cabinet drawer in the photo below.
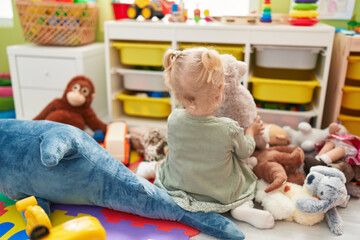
x=34, y=101
x=49, y=73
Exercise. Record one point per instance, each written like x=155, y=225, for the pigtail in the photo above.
x=213, y=65
x=168, y=59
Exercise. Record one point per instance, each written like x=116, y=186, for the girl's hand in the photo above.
x=256, y=128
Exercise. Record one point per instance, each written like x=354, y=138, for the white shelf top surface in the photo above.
x=319, y=27
x=50, y=51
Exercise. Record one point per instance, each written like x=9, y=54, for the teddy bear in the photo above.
x=279, y=164
x=62, y=164
x=328, y=186
x=238, y=103
x=281, y=203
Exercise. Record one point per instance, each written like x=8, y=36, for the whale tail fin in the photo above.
x=213, y=224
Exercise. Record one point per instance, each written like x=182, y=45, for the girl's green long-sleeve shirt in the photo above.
x=203, y=171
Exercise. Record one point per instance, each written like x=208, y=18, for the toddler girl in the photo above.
x=202, y=171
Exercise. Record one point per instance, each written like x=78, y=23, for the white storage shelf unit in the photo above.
x=248, y=36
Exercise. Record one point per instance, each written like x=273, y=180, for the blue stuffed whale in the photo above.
x=62, y=164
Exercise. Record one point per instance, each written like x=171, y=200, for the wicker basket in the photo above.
x=57, y=23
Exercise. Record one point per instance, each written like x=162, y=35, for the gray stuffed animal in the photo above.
x=238, y=103
x=328, y=185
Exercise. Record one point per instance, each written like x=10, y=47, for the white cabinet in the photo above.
x=318, y=36
x=40, y=74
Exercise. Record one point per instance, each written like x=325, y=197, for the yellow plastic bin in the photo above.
x=351, y=123
x=236, y=50
x=353, y=70
x=283, y=86
x=142, y=54
x=145, y=106
x=351, y=98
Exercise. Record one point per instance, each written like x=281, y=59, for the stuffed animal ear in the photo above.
x=280, y=137
x=305, y=127
x=312, y=205
x=329, y=171
x=53, y=148
x=242, y=68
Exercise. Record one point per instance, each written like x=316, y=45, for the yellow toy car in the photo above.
x=39, y=227
x=149, y=9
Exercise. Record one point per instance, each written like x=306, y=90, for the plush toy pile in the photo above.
x=279, y=163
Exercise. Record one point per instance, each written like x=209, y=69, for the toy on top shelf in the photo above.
x=208, y=18
x=149, y=9
x=39, y=226
x=304, y=13
x=74, y=106
x=197, y=14
x=120, y=10
x=253, y=18
x=176, y=14
x=266, y=14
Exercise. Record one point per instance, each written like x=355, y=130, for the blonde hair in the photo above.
x=194, y=76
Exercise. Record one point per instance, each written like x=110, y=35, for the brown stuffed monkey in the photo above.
x=74, y=106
